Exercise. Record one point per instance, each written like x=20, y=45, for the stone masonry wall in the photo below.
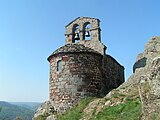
x=113, y=74
x=80, y=76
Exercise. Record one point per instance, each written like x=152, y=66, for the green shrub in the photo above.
x=42, y=117
x=19, y=118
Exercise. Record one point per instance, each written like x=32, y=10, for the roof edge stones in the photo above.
x=73, y=48
x=80, y=18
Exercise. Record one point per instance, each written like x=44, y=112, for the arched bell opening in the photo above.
x=76, y=33
x=87, y=31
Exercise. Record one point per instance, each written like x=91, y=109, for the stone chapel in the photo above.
x=81, y=67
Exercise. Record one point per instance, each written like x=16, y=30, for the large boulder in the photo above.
x=45, y=110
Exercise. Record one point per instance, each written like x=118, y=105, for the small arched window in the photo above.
x=59, y=65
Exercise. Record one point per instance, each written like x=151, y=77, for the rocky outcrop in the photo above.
x=144, y=83
x=148, y=79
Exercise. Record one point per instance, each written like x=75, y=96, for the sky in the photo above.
x=30, y=30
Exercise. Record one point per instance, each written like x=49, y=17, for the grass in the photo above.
x=76, y=112
x=130, y=110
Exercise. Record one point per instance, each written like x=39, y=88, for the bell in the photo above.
x=76, y=37
x=87, y=34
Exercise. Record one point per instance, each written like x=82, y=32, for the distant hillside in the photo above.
x=30, y=105
x=10, y=112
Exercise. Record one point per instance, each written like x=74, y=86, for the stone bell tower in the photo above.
x=86, y=31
